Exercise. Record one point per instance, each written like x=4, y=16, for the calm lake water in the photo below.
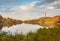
x=21, y=28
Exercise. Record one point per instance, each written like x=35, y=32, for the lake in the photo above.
x=21, y=28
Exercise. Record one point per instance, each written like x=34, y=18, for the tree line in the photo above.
x=8, y=22
x=51, y=22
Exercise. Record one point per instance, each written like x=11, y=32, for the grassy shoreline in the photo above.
x=43, y=34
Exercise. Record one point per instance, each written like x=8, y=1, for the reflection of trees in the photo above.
x=31, y=22
x=45, y=21
x=8, y=22
x=1, y=21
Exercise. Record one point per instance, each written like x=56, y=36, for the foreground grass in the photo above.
x=50, y=34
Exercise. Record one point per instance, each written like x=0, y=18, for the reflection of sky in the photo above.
x=29, y=9
x=24, y=28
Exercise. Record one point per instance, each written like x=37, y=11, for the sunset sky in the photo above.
x=29, y=9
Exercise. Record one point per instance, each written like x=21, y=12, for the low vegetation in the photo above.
x=43, y=34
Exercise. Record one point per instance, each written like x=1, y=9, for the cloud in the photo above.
x=25, y=8
x=50, y=7
x=29, y=6
x=29, y=11
x=36, y=5
x=48, y=1
x=7, y=0
x=55, y=4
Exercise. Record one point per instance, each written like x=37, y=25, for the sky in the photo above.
x=27, y=10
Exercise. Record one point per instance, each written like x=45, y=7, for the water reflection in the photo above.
x=21, y=28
